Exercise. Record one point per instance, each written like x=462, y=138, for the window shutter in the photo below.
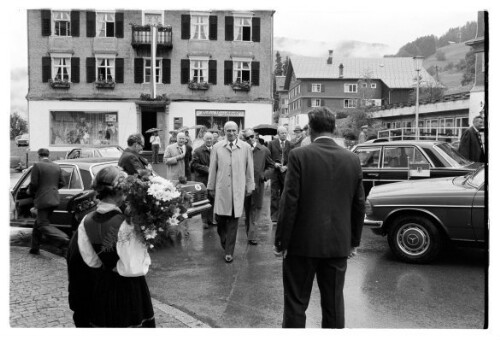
x=119, y=24
x=229, y=28
x=75, y=23
x=46, y=66
x=311, y=89
x=322, y=103
x=212, y=72
x=119, y=70
x=46, y=24
x=138, y=70
x=228, y=72
x=165, y=71
x=184, y=71
x=212, y=27
x=185, y=26
x=322, y=88
x=75, y=68
x=309, y=102
x=90, y=70
x=255, y=73
x=90, y=24
x=256, y=29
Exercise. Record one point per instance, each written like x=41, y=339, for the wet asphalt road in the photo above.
x=380, y=292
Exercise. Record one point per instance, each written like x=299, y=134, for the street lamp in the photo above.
x=417, y=62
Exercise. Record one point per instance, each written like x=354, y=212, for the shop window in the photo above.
x=84, y=128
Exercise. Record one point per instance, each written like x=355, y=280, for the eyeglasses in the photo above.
x=249, y=137
x=142, y=145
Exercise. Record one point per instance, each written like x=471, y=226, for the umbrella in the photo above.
x=198, y=127
x=266, y=129
x=184, y=128
x=153, y=130
x=213, y=130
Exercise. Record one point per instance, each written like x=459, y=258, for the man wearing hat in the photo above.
x=46, y=179
x=363, y=134
x=299, y=137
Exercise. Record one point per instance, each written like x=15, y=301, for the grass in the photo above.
x=453, y=54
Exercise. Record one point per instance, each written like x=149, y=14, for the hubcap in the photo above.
x=413, y=239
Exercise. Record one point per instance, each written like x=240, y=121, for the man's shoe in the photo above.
x=213, y=223
x=253, y=242
x=35, y=251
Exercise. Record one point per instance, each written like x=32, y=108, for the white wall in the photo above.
x=39, y=119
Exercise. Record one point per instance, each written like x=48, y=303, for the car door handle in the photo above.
x=372, y=175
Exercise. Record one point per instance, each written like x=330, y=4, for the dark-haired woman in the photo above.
x=106, y=242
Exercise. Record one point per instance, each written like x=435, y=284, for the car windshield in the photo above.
x=476, y=179
x=110, y=152
x=96, y=168
x=452, y=155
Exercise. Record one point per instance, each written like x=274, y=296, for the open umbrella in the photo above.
x=183, y=128
x=198, y=127
x=153, y=130
x=266, y=129
x=213, y=130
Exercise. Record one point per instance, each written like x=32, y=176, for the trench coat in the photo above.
x=230, y=175
x=175, y=168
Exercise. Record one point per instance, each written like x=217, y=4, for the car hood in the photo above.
x=435, y=187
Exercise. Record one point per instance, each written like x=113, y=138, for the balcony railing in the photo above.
x=141, y=35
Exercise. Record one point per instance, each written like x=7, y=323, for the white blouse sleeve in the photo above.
x=134, y=258
x=86, y=250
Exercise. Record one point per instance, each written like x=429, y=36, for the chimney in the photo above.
x=341, y=71
x=329, y=60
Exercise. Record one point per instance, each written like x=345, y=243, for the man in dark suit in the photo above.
x=188, y=157
x=46, y=179
x=279, y=148
x=263, y=167
x=131, y=161
x=471, y=145
x=200, y=166
x=320, y=222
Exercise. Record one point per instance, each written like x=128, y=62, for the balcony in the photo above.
x=141, y=36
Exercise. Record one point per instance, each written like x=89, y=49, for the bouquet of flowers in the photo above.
x=155, y=207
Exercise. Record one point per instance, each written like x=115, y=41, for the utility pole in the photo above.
x=154, y=31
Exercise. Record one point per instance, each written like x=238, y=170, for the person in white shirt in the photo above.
x=115, y=293
x=155, y=146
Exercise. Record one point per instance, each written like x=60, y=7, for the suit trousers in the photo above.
x=298, y=278
x=227, y=228
x=251, y=216
x=277, y=185
x=155, y=148
x=207, y=216
x=42, y=226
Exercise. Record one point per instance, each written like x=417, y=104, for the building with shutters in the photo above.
x=91, y=73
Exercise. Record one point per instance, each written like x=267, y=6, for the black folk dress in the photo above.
x=117, y=301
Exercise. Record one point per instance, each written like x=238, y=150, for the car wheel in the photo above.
x=415, y=239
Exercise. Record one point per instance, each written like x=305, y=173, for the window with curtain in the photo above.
x=199, y=27
x=241, y=71
x=242, y=29
x=148, y=71
x=199, y=71
x=105, y=69
x=61, y=68
x=105, y=24
x=61, y=23
x=350, y=88
x=349, y=103
x=316, y=88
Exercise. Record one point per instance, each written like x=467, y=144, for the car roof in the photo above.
x=86, y=163
x=96, y=147
x=404, y=142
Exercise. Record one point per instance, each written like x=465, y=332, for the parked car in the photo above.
x=420, y=217
x=386, y=162
x=78, y=174
x=16, y=163
x=22, y=140
x=95, y=152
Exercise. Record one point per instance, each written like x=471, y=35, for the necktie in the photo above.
x=282, y=153
x=480, y=140
x=180, y=150
x=231, y=145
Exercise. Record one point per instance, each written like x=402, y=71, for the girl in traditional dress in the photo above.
x=119, y=295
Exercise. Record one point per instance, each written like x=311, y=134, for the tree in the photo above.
x=285, y=65
x=427, y=92
x=18, y=125
x=470, y=69
x=278, y=68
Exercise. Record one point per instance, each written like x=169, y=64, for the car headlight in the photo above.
x=368, y=208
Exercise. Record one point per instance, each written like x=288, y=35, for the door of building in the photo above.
x=148, y=121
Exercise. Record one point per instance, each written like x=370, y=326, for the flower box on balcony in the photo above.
x=103, y=84
x=241, y=86
x=59, y=84
x=198, y=86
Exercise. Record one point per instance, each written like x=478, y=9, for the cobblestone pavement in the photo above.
x=39, y=294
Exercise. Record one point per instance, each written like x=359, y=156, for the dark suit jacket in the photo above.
x=470, y=146
x=323, y=203
x=187, y=160
x=201, y=163
x=263, y=166
x=275, y=149
x=46, y=179
x=132, y=162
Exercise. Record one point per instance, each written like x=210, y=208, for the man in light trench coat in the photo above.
x=230, y=179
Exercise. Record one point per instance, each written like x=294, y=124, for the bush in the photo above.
x=440, y=55
x=18, y=125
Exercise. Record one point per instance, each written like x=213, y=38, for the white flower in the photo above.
x=185, y=215
x=150, y=234
x=162, y=189
x=172, y=221
x=143, y=228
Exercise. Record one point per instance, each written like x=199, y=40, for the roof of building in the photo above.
x=280, y=83
x=394, y=72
